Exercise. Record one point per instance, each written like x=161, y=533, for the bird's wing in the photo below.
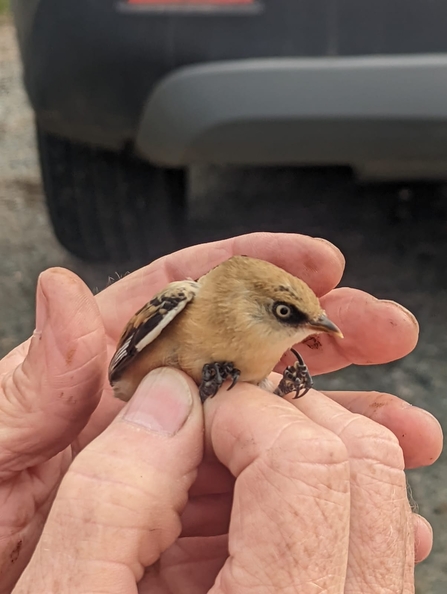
x=149, y=321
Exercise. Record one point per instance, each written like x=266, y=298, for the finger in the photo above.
x=408, y=578
x=47, y=399
x=207, y=515
x=423, y=538
x=375, y=331
x=290, y=518
x=208, y=510
x=190, y=566
x=380, y=533
x=118, y=507
x=419, y=433
x=316, y=261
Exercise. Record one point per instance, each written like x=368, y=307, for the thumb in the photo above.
x=48, y=394
x=118, y=507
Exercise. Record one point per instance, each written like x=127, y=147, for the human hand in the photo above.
x=302, y=496
x=49, y=394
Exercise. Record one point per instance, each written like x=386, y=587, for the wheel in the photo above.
x=107, y=206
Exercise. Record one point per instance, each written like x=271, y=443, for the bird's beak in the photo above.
x=324, y=324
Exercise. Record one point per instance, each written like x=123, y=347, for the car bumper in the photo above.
x=383, y=116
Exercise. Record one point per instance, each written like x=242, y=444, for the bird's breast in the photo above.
x=197, y=338
x=254, y=362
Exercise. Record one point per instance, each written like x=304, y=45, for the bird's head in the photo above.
x=270, y=298
x=293, y=310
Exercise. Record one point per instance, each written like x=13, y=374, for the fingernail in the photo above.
x=429, y=416
x=403, y=310
x=424, y=413
x=161, y=403
x=426, y=523
x=419, y=555
x=333, y=247
x=41, y=309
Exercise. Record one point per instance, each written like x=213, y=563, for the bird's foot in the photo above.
x=214, y=375
x=296, y=378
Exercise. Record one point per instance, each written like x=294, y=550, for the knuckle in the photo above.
x=306, y=442
x=367, y=439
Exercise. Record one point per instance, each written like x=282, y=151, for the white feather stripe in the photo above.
x=151, y=336
x=121, y=353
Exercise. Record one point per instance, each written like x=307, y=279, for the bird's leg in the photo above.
x=214, y=375
x=296, y=378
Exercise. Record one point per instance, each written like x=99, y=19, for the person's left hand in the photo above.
x=55, y=397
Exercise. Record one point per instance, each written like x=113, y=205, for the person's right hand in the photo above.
x=55, y=398
x=300, y=496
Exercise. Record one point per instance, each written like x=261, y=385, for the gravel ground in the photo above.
x=395, y=241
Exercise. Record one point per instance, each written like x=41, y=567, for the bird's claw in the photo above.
x=296, y=378
x=214, y=375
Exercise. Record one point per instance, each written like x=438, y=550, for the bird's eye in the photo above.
x=282, y=311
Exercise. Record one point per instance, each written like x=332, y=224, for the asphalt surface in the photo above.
x=394, y=239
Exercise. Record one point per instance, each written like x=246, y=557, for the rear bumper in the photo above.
x=383, y=116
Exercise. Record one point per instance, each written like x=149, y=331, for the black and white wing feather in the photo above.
x=149, y=321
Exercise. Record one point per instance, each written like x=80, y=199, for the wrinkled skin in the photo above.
x=314, y=487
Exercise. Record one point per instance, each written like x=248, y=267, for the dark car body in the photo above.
x=263, y=82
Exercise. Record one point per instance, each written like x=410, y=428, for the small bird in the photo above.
x=235, y=322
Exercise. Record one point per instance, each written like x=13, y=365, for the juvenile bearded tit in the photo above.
x=234, y=323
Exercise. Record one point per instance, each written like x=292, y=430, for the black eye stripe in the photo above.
x=295, y=318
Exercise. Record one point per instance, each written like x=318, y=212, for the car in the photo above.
x=128, y=95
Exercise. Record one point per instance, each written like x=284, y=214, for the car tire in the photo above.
x=110, y=206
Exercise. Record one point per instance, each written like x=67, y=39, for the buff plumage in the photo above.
x=235, y=323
